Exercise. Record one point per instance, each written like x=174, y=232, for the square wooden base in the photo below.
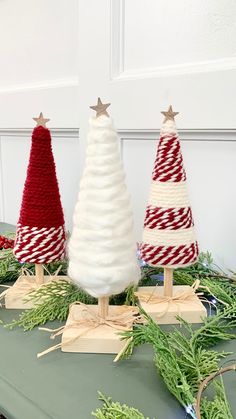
x=192, y=311
x=14, y=298
x=102, y=339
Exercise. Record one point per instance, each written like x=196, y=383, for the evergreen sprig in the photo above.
x=183, y=357
x=218, y=407
x=9, y=266
x=116, y=410
x=52, y=302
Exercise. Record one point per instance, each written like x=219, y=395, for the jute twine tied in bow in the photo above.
x=92, y=320
x=179, y=298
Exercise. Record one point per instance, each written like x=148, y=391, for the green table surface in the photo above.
x=64, y=385
x=6, y=228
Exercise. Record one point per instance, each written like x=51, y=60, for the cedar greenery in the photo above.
x=115, y=410
x=183, y=357
x=9, y=266
x=217, y=407
x=53, y=300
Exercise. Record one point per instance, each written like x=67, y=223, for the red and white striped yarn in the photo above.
x=169, y=162
x=170, y=218
x=39, y=245
x=168, y=208
x=169, y=255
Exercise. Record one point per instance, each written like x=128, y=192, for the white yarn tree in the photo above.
x=102, y=250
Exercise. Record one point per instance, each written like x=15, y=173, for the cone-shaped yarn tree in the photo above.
x=102, y=250
x=169, y=239
x=40, y=235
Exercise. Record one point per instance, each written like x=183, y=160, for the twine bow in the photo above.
x=179, y=298
x=91, y=320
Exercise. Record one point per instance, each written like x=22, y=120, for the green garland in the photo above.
x=115, y=410
x=52, y=302
x=183, y=357
x=54, y=299
x=219, y=407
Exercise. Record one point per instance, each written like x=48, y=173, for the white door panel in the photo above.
x=144, y=55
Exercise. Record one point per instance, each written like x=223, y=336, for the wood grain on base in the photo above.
x=102, y=339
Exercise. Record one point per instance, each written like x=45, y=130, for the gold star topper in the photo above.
x=100, y=108
x=41, y=121
x=169, y=114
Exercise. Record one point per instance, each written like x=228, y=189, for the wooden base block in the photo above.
x=14, y=298
x=192, y=311
x=102, y=339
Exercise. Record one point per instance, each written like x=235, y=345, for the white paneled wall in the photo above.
x=176, y=35
x=39, y=71
x=59, y=55
x=40, y=41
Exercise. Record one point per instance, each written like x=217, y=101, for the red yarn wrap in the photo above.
x=169, y=255
x=168, y=218
x=41, y=204
x=40, y=236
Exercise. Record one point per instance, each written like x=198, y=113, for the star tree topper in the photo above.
x=170, y=114
x=41, y=121
x=100, y=108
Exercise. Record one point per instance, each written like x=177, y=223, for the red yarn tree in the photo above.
x=40, y=235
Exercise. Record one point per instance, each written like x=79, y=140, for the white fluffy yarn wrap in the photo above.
x=102, y=250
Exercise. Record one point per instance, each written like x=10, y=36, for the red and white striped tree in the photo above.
x=169, y=239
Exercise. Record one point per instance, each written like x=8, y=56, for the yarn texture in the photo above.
x=169, y=237
x=102, y=250
x=40, y=235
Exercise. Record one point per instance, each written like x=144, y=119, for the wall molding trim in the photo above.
x=25, y=132
x=201, y=134
x=40, y=85
x=177, y=69
x=223, y=135
x=117, y=33
x=2, y=200
x=117, y=55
